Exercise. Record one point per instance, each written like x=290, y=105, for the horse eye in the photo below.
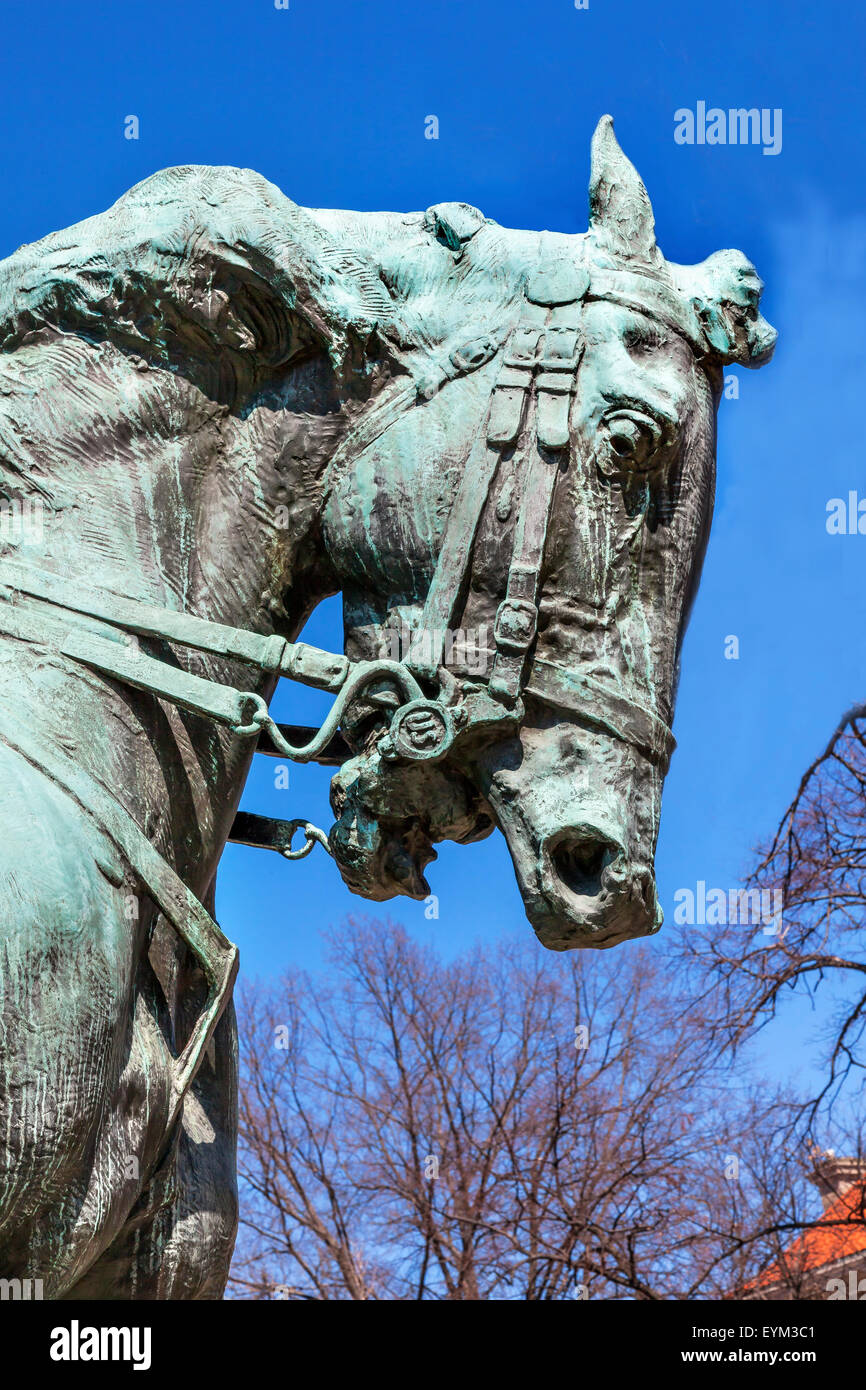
x=627, y=439
x=633, y=440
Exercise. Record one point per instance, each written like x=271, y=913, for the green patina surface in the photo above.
x=497, y=444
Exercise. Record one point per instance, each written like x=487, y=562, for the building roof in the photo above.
x=838, y=1234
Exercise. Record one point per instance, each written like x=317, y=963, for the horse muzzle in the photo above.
x=579, y=813
x=584, y=892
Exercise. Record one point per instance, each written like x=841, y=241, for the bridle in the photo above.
x=528, y=412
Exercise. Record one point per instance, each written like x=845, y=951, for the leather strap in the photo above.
x=127, y=663
x=604, y=707
x=425, y=655
x=555, y=362
x=216, y=955
x=651, y=296
x=296, y=660
x=548, y=355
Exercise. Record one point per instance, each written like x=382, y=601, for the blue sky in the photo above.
x=328, y=99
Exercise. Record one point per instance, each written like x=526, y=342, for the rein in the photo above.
x=115, y=652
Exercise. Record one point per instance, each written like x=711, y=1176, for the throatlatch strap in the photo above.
x=426, y=658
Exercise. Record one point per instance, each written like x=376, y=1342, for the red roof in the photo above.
x=823, y=1243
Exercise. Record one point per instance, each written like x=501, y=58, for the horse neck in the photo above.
x=170, y=503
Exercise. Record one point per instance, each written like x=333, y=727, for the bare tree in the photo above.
x=511, y=1125
x=816, y=864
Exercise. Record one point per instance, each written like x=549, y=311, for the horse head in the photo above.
x=528, y=537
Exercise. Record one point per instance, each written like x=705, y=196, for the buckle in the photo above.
x=560, y=351
x=472, y=355
x=516, y=624
x=523, y=348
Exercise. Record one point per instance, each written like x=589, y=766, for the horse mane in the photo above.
x=197, y=262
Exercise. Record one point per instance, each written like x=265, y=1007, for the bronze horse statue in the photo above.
x=223, y=408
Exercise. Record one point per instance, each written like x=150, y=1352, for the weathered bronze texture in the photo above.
x=217, y=408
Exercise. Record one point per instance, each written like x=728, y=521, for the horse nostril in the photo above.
x=579, y=863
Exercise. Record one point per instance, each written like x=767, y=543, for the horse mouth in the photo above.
x=404, y=859
x=383, y=864
x=388, y=819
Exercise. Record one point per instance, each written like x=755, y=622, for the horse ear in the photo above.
x=453, y=223
x=725, y=292
x=621, y=220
